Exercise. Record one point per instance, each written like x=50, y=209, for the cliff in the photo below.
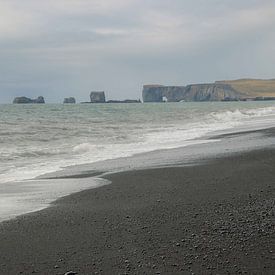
x=195, y=92
x=243, y=89
x=211, y=92
x=26, y=100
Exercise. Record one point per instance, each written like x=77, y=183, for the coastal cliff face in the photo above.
x=210, y=92
x=26, y=100
x=195, y=92
x=97, y=97
x=226, y=90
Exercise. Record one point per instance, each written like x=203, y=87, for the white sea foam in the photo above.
x=27, y=196
x=240, y=115
x=84, y=148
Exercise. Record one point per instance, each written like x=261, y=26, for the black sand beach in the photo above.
x=213, y=218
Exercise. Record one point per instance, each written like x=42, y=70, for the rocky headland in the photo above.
x=226, y=90
x=26, y=100
x=234, y=90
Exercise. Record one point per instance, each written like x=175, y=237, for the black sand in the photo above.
x=215, y=218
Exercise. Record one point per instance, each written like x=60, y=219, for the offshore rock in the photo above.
x=39, y=100
x=124, y=101
x=97, y=97
x=26, y=100
x=70, y=100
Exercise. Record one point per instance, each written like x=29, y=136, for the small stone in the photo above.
x=70, y=273
x=177, y=244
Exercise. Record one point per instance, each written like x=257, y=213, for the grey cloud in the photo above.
x=59, y=48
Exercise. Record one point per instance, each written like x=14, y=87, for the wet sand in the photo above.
x=213, y=218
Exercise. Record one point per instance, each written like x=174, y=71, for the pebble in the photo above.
x=70, y=273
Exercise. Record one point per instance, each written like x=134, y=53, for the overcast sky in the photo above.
x=70, y=47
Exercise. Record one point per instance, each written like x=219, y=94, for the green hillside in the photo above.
x=253, y=87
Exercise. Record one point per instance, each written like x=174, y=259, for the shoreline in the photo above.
x=214, y=217
x=185, y=154
x=23, y=197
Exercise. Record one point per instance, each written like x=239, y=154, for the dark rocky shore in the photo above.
x=214, y=218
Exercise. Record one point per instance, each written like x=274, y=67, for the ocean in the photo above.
x=78, y=139
x=38, y=139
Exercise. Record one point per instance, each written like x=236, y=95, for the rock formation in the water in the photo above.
x=26, y=100
x=70, y=100
x=159, y=93
x=124, y=101
x=97, y=97
x=242, y=89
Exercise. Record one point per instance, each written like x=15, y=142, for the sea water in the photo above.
x=38, y=139
x=42, y=139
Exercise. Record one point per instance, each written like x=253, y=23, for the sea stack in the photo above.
x=26, y=100
x=70, y=100
x=97, y=97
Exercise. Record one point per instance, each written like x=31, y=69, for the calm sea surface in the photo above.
x=36, y=139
